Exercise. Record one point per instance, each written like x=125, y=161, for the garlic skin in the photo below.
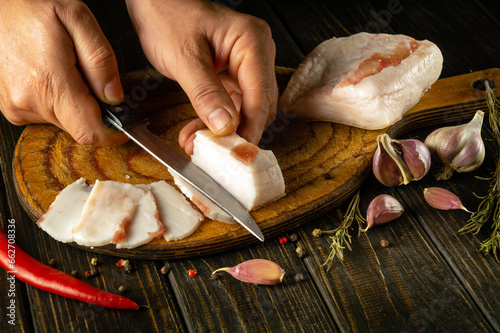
x=257, y=271
x=442, y=199
x=460, y=148
x=397, y=162
x=382, y=209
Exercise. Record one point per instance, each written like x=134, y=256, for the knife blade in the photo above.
x=133, y=125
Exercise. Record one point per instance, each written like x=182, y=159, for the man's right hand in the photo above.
x=53, y=52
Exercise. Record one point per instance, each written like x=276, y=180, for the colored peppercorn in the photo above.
x=192, y=272
x=283, y=240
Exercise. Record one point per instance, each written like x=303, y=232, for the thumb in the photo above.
x=210, y=100
x=95, y=56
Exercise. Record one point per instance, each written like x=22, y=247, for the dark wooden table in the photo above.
x=430, y=278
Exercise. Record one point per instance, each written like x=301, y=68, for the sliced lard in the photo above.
x=207, y=207
x=65, y=211
x=364, y=80
x=108, y=212
x=179, y=217
x=252, y=175
x=146, y=224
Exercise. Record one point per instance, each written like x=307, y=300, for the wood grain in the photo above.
x=322, y=163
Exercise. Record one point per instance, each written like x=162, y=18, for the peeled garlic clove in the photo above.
x=397, y=162
x=460, y=148
x=382, y=209
x=257, y=271
x=440, y=198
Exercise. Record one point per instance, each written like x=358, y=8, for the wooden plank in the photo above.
x=14, y=308
x=441, y=23
x=226, y=304
x=479, y=274
x=409, y=281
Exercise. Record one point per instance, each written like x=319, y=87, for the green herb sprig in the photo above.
x=340, y=237
x=489, y=208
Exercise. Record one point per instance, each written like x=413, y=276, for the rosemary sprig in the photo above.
x=489, y=208
x=340, y=237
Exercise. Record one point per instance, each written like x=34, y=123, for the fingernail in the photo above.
x=113, y=91
x=219, y=119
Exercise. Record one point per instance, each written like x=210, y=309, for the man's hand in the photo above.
x=52, y=52
x=223, y=60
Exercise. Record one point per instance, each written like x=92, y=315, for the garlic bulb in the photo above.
x=459, y=148
x=398, y=162
x=384, y=208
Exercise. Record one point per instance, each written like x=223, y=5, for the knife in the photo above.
x=134, y=125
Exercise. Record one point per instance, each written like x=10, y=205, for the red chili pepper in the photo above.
x=283, y=240
x=192, y=272
x=27, y=269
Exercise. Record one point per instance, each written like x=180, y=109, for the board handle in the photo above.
x=453, y=101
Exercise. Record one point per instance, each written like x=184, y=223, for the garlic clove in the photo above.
x=440, y=198
x=382, y=209
x=397, y=162
x=460, y=148
x=417, y=157
x=257, y=271
x=386, y=170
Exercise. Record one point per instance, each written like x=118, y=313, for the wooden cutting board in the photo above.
x=323, y=163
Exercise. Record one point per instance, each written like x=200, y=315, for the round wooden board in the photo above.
x=323, y=163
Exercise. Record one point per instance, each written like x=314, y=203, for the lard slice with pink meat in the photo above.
x=108, y=212
x=364, y=80
x=146, y=224
x=179, y=217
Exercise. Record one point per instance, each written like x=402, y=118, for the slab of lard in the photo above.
x=179, y=217
x=364, y=80
x=109, y=210
x=252, y=175
x=64, y=213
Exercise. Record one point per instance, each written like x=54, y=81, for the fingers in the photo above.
x=79, y=114
x=257, y=80
x=95, y=56
x=211, y=101
x=188, y=133
x=75, y=109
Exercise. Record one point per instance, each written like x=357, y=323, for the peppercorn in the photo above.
x=293, y=237
x=74, y=273
x=384, y=243
x=127, y=266
x=88, y=275
x=317, y=232
x=301, y=254
x=121, y=262
x=94, y=261
x=164, y=270
x=93, y=272
x=52, y=262
x=283, y=240
x=121, y=288
x=192, y=272
x=298, y=277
